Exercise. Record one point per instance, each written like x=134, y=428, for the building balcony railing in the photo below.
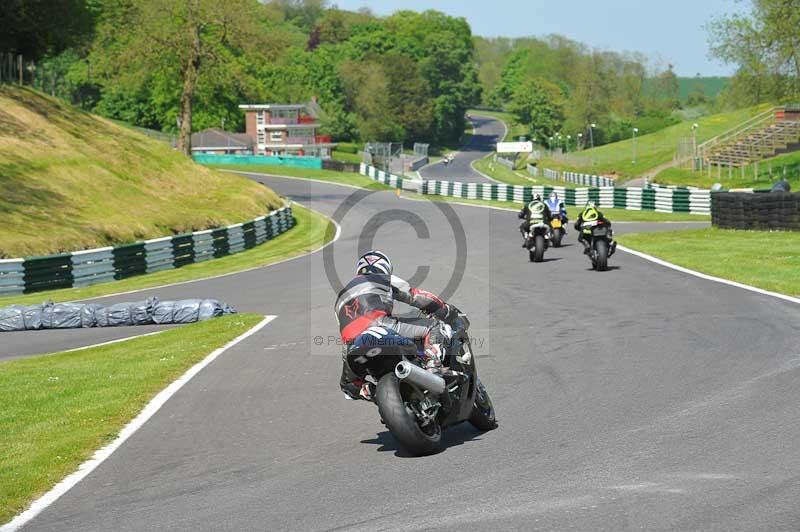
x=300, y=140
x=282, y=120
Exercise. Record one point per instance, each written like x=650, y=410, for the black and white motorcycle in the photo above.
x=416, y=404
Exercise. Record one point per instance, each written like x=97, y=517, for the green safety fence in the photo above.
x=82, y=268
x=267, y=160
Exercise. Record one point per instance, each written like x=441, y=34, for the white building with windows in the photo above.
x=285, y=129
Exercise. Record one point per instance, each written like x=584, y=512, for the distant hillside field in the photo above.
x=70, y=180
x=711, y=86
x=651, y=150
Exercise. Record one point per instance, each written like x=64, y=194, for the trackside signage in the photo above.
x=514, y=147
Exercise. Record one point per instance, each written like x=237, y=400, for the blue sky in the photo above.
x=666, y=31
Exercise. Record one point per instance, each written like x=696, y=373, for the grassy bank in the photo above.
x=58, y=409
x=332, y=176
x=769, y=171
x=70, y=180
x=312, y=231
x=769, y=260
x=651, y=150
x=621, y=215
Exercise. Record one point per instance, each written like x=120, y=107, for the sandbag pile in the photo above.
x=51, y=315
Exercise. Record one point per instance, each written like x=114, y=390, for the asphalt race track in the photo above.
x=488, y=132
x=636, y=399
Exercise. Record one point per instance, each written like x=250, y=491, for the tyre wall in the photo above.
x=762, y=211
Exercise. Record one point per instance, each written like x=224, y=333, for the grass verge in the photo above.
x=331, y=176
x=621, y=215
x=768, y=260
x=58, y=409
x=70, y=180
x=769, y=171
x=312, y=231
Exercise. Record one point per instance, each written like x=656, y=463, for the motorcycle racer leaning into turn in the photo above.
x=534, y=212
x=589, y=217
x=368, y=301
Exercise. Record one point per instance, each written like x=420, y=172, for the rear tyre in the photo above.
x=483, y=415
x=557, y=234
x=601, y=250
x=402, y=422
x=538, y=251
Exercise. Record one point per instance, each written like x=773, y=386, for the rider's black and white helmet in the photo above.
x=374, y=262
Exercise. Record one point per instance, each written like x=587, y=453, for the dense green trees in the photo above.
x=765, y=45
x=184, y=65
x=553, y=85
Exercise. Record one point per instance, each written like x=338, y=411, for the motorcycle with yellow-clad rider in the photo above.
x=595, y=233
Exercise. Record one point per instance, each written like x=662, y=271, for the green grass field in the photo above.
x=768, y=260
x=621, y=215
x=769, y=171
x=70, y=180
x=346, y=157
x=312, y=231
x=651, y=150
x=58, y=409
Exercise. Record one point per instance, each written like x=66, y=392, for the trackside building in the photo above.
x=285, y=129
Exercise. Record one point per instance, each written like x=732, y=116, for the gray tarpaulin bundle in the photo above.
x=51, y=315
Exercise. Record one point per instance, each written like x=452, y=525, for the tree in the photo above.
x=539, y=104
x=179, y=44
x=765, y=45
x=36, y=28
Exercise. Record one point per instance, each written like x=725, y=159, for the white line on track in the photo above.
x=335, y=238
x=655, y=259
x=706, y=276
x=101, y=455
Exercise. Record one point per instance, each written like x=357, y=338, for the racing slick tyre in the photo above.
x=393, y=398
x=483, y=415
x=557, y=235
x=601, y=250
x=538, y=250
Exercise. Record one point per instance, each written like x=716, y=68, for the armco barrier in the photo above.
x=694, y=201
x=83, y=268
x=578, y=179
x=767, y=211
x=283, y=160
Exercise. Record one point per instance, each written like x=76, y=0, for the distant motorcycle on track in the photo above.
x=601, y=243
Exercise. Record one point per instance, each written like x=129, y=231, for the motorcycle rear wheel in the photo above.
x=601, y=250
x=402, y=422
x=557, y=234
x=483, y=414
x=538, y=251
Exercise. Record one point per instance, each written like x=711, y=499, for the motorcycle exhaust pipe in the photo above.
x=406, y=371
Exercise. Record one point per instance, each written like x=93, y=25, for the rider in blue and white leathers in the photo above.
x=555, y=205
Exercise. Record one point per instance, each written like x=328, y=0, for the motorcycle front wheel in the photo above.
x=393, y=397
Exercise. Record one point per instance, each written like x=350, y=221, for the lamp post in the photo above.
x=591, y=133
x=694, y=145
x=635, y=131
x=569, y=137
x=578, y=142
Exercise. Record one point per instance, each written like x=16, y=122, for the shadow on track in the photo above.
x=451, y=437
